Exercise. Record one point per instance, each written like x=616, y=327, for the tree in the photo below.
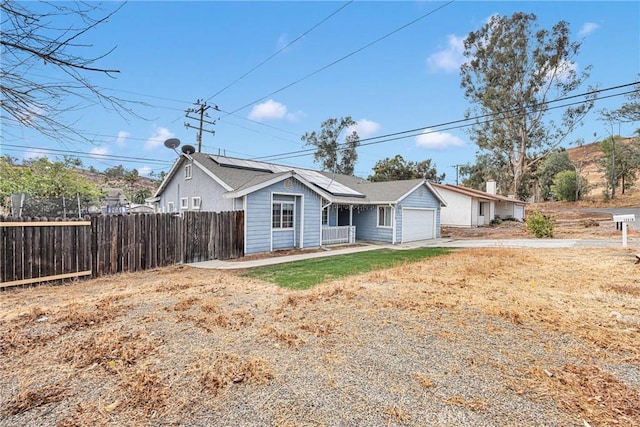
x=398, y=168
x=554, y=163
x=628, y=112
x=475, y=175
x=513, y=70
x=565, y=186
x=621, y=161
x=141, y=194
x=115, y=172
x=40, y=38
x=42, y=179
x=332, y=155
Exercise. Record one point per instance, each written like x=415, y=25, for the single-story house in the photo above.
x=467, y=207
x=289, y=207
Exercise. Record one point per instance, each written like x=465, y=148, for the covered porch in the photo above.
x=337, y=225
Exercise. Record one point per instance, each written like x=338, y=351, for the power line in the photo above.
x=127, y=159
x=379, y=39
x=458, y=124
x=280, y=50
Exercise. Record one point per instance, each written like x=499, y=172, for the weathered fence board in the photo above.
x=38, y=249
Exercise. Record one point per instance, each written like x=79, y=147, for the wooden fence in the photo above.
x=39, y=250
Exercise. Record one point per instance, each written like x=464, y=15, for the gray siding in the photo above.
x=258, y=219
x=420, y=198
x=200, y=185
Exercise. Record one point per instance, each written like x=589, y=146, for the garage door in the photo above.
x=417, y=224
x=518, y=212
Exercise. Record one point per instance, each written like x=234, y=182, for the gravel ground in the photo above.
x=461, y=340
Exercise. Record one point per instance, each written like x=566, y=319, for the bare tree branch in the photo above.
x=33, y=35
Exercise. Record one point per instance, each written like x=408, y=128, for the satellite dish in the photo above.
x=172, y=143
x=188, y=149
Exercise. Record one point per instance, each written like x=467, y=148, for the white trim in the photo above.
x=168, y=177
x=393, y=225
x=378, y=216
x=293, y=219
x=430, y=187
x=212, y=175
x=196, y=206
x=244, y=208
x=274, y=180
x=435, y=213
x=171, y=207
x=188, y=171
x=301, y=221
x=184, y=203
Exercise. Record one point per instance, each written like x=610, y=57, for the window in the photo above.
x=187, y=171
x=282, y=215
x=384, y=216
x=325, y=216
x=171, y=207
x=481, y=213
x=196, y=202
x=184, y=203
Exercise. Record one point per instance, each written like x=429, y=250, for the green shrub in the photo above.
x=495, y=221
x=540, y=225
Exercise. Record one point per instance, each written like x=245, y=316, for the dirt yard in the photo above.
x=491, y=337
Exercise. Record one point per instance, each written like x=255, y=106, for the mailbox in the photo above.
x=624, y=218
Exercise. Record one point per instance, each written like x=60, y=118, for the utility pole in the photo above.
x=457, y=167
x=201, y=109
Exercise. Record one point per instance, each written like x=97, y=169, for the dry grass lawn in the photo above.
x=476, y=337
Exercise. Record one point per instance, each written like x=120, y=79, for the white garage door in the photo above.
x=518, y=212
x=417, y=224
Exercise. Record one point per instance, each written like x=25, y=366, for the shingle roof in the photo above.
x=472, y=192
x=240, y=178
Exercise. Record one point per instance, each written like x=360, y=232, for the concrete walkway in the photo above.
x=633, y=243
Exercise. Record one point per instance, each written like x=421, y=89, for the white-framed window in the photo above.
x=282, y=215
x=171, y=207
x=187, y=171
x=196, y=202
x=384, y=216
x=325, y=216
x=184, y=203
x=481, y=210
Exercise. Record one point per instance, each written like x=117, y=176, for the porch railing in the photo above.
x=337, y=235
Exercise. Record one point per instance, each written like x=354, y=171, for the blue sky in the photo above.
x=172, y=53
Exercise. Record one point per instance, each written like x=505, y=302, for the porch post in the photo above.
x=352, y=239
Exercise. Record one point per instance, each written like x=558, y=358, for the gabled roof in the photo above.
x=472, y=192
x=240, y=177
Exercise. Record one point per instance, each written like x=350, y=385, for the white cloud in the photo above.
x=365, y=128
x=144, y=171
x=159, y=136
x=438, y=140
x=450, y=58
x=588, y=28
x=273, y=110
x=34, y=153
x=122, y=137
x=98, y=152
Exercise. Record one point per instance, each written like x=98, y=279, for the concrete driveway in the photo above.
x=633, y=243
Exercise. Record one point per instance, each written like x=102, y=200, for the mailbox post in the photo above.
x=624, y=219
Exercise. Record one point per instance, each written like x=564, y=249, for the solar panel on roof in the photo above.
x=241, y=164
x=328, y=184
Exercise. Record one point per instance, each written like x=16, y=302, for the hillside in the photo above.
x=104, y=182
x=586, y=157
